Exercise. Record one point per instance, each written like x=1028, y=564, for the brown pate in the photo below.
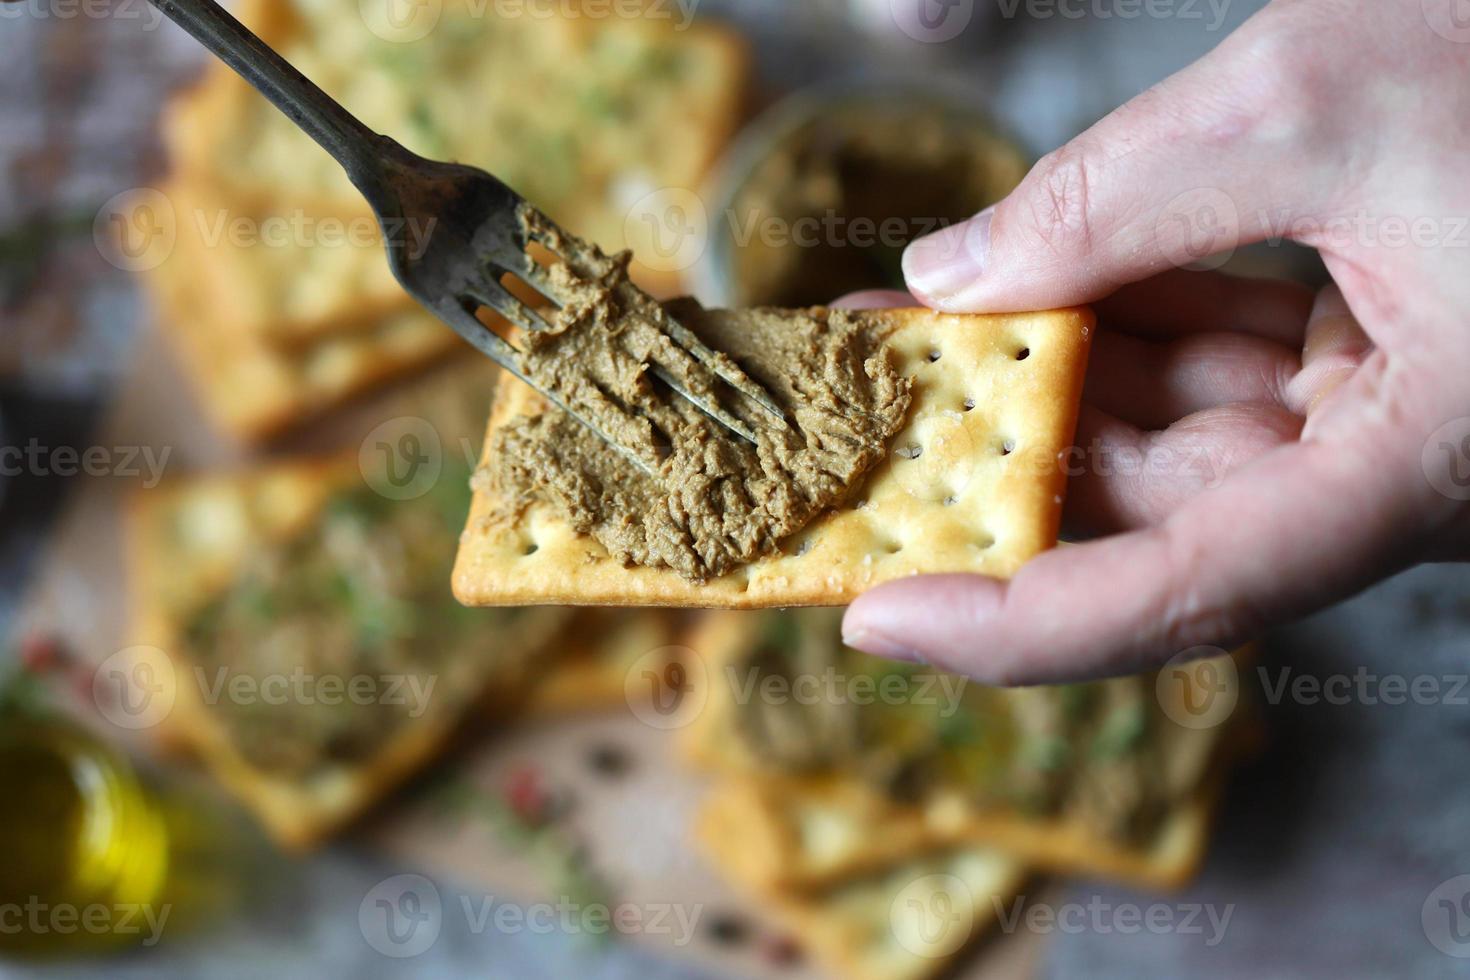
x=693, y=497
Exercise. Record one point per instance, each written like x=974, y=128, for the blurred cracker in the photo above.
x=883, y=923
x=824, y=828
x=254, y=390
x=646, y=110
x=187, y=541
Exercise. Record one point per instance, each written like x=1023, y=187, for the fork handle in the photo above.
x=358, y=149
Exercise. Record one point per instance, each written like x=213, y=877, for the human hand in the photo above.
x=1309, y=447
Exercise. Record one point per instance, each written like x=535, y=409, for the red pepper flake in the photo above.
x=41, y=654
x=527, y=797
x=780, y=951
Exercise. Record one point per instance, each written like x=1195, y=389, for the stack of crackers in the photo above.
x=273, y=288
x=894, y=873
x=276, y=290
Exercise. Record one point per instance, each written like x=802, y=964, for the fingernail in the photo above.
x=945, y=264
x=879, y=645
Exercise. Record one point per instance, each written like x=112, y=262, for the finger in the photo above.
x=1335, y=348
x=1180, y=301
x=1151, y=385
x=1306, y=524
x=874, y=299
x=1210, y=159
x=1122, y=478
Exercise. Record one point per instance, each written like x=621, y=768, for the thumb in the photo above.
x=1207, y=160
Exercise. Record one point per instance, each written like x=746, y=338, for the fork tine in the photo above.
x=485, y=340
x=725, y=369
x=706, y=406
x=507, y=304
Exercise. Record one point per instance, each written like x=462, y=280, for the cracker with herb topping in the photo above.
x=298, y=622
x=876, y=761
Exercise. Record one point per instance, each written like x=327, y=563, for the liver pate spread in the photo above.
x=686, y=493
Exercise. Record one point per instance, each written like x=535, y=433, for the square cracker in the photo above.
x=254, y=389
x=880, y=924
x=973, y=483
x=563, y=108
x=824, y=827
x=187, y=542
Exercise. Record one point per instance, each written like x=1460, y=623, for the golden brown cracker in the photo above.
x=187, y=542
x=974, y=483
x=908, y=917
x=255, y=390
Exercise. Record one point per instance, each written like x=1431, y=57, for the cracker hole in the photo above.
x=530, y=549
x=985, y=542
x=1007, y=447
x=912, y=451
x=969, y=404
x=951, y=500
x=1023, y=353
x=934, y=355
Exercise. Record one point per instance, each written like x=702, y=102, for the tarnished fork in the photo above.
x=453, y=232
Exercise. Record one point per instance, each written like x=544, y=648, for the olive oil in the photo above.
x=83, y=848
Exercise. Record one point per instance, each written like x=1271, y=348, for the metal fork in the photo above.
x=472, y=220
